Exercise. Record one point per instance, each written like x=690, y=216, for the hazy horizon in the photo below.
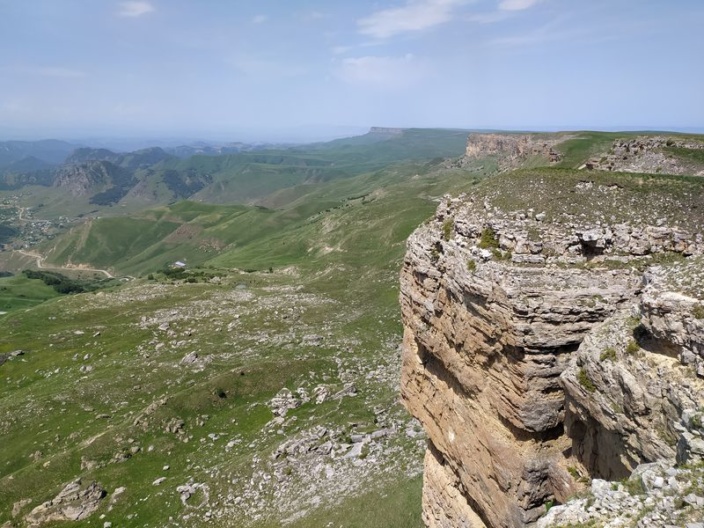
x=282, y=71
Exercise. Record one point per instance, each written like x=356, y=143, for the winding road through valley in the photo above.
x=40, y=264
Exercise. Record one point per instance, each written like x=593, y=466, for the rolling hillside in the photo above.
x=257, y=387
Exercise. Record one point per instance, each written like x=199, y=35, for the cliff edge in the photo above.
x=554, y=338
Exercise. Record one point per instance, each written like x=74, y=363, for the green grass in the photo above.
x=488, y=239
x=585, y=381
x=397, y=506
x=335, y=248
x=584, y=145
x=632, y=347
x=359, y=276
x=47, y=399
x=616, y=197
x=19, y=292
x=688, y=155
x=369, y=213
x=608, y=354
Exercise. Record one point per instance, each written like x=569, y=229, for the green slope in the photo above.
x=20, y=292
x=335, y=249
x=251, y=176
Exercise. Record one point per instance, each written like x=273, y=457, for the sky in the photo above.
x=245, y=69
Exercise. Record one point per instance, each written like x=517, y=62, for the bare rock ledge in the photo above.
x=534, y=367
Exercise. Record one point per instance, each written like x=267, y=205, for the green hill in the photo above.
x=167, y=390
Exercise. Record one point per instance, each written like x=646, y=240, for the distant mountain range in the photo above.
x=230, y=173
x=49, y=151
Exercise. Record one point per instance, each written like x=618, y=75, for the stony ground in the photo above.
x=240, y=400
x=658, y=494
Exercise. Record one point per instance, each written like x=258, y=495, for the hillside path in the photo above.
x=41, y=259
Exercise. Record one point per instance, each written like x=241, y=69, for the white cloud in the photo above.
x=135, y=9
x=416, y=15
x=517, y=5
x=260, y=19
x=381, y=72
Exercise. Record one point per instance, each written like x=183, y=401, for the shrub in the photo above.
x=434, y=255
x=585, y=381
x=632, y=347
x=488, y=239
x=609, y=353
x=447, y=229
x=471, y=266
x=698, y=311
x=633, y=321
x=634, y=486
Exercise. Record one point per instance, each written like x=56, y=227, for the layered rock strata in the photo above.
x=519, y=364
x=513, y=148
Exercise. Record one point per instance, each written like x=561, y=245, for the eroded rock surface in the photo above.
x=74, y=503
x=648, y=154
x=513, y=148
x=526, y=361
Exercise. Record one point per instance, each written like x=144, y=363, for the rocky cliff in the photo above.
x=652, y=154
x=551, y=336
x=89, y=177
x=513, y=149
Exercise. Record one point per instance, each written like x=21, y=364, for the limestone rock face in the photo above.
x=647, y=154
x=625, y=394
x=507, y=359
x=512, y=148
x=444, y=501
x=89, y=177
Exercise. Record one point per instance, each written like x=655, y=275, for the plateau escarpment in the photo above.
x=513, y=149
x=546, y=341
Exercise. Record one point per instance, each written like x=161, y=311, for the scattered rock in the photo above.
x=74, y=503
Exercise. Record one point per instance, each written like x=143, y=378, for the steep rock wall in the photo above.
x=493, y=318
x=512, y=148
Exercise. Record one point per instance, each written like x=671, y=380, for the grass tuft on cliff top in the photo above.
x=581, y=197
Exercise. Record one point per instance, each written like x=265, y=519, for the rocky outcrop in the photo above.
x=648, y=154
x=74, y=503
x=625, y=396
x=90, y=177
x=656, y=494
x=512, y=149
x=526, y=362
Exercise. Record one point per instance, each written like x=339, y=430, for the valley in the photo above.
x=258, y=385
